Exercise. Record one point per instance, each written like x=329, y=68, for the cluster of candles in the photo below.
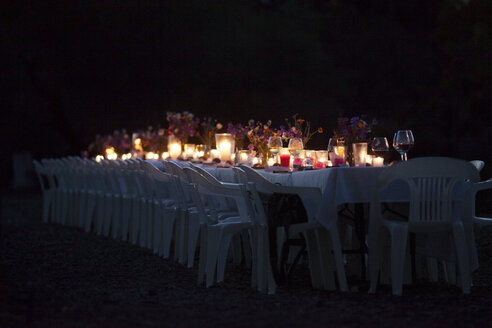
x=225, y=151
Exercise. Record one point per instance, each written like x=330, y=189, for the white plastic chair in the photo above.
x=317, y=237
x=216, y=235
x=220, y=208
x=164, y=209
x=431, y=182
x=188, y=217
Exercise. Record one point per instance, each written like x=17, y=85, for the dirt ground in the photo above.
x=56, y=276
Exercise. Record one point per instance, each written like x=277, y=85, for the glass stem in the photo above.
x=402, y=155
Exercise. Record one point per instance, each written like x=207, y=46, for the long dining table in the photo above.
x=339, y=186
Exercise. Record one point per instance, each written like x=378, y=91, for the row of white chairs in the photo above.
x=188, y=208
x=128, y=200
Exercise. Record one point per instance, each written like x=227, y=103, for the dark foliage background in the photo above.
x=72, y=69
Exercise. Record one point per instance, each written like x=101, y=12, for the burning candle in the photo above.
x=165, y=155
x=214, y=153
x=225, y=145
x=225, y=150
x=284, y=156
x=321, y=159
x=378, y=161
x=243, y=157
x=189, y=150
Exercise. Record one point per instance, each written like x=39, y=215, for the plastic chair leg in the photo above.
x=149, y=240
x=213, y=242
x=168, y=228
x=142, y=225
x=126, y=213
x=314, y=259
x=462, y=255
x=225, y=245
x=134, y=221
x=183, y=238
x=193, y=235
x=203, y=254
x=246, y=247
x=399, y=235
x=157, y=229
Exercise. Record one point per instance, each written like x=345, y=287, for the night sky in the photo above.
x=74, y=69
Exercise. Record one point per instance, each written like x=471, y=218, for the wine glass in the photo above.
x=380, y=146
x=331, y=144
x=403, y=141
x=274, y=144
x=295, y=146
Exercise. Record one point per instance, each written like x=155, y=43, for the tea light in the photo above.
x=199, y=151
x=126, y=156
x=243, y=157
x=189, y=150
x=174, y=150
x=99, y=158
x=174, y=147
x=214, y=153
x=270, y=162
x=165, y=155
x=109, y=152
x=369, y=159
x=378, y=161
x=255, y=160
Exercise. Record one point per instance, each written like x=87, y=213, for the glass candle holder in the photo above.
x=189, y=150
x=284, y=156
x=321, y=159
x=173, y=147
x=243, y=157
x=360, y=153
x=199, y=151
x=225, y=145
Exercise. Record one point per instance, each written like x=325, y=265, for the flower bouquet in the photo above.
x=352, y=130
x=298, y=128
x=258, y=135
x=208, y=128
x=182, y=125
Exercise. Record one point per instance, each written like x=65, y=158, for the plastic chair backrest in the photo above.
x=162, y=183
x=478, y=164
x=310, y=196
x=234, y=191
x=431, y=182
